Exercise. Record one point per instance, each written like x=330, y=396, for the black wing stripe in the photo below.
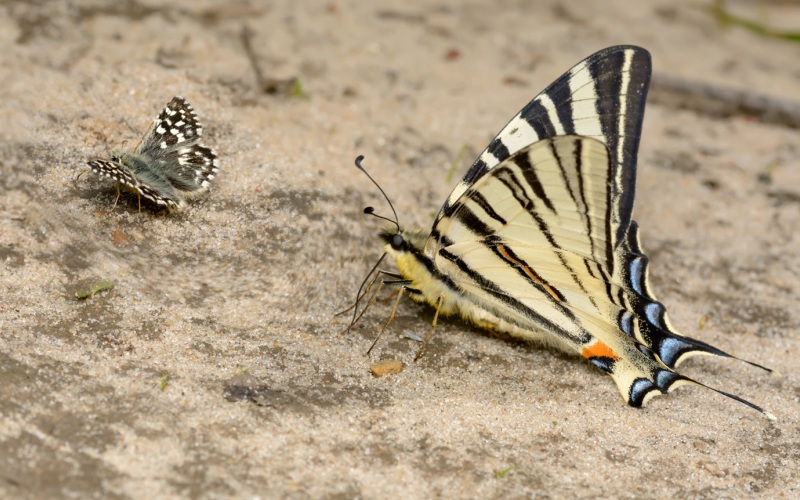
x=498, y=149
x=480, y=200
x=563, y=94
x=477, y=170
x=474, y=223
x=509, y=178
x=609, y=222
x=523, y=161
x=589, y=268
x=537, y=116
x=564, y=176
x=527, y=272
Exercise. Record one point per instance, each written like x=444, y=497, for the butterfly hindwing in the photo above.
x=549, y=248
x=537, y=256
x=652, y=326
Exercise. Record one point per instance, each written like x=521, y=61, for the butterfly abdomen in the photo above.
x=136, y=163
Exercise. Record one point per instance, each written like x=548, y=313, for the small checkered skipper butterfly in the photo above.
x=169, y=165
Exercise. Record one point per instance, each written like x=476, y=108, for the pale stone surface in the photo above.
x=123, y=395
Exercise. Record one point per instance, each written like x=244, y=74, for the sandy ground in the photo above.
x=123, y=395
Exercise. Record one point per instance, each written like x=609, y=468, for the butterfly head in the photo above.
x=406, y=248
x=398, y=241
x=118, y=154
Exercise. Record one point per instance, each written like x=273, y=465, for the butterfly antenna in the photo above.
x=370, y=210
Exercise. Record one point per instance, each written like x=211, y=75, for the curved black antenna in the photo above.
x=369, y=210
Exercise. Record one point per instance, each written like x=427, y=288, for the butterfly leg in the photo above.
x=361, y=295
x=116, y=199
x=391, y=317
x=439, y=303
x=371, y=301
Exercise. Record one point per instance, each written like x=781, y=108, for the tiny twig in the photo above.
x=722, y=102
x=280, y=86
x=247, y=36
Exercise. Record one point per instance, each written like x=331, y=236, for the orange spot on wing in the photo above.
x=598, y=349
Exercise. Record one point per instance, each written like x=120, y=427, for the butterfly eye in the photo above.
x=398, y=243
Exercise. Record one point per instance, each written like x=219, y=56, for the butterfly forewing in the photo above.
x=602, y=97
x=176, y=125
